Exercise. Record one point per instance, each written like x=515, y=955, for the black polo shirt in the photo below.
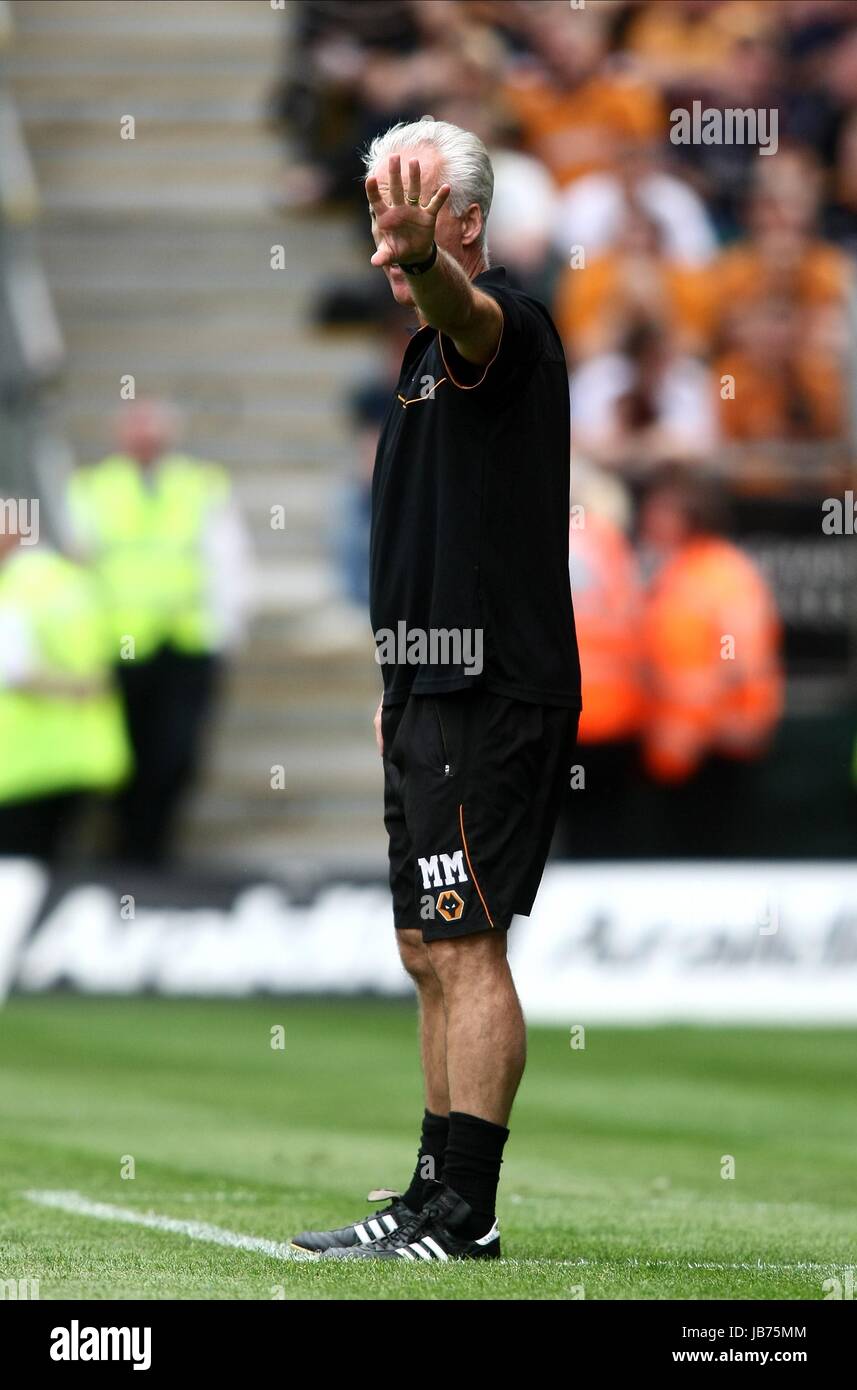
x=470, y=508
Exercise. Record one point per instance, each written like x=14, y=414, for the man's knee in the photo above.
x=465, y=958
x=414, y=956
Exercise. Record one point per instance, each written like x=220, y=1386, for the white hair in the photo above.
x=464, y=160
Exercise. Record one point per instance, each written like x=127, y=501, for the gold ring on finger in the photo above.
x=414, y=202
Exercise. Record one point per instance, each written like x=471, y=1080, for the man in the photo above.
x=168, y=549
x=469, y=561
x=711, y=637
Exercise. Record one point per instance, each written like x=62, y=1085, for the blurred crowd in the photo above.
x=703, y=291
x=671, y=268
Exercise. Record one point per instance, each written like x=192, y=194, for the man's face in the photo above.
x=447, y=228
x=144, y=432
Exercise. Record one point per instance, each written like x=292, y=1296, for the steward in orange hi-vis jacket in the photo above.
x=712, y=638
x=608, y=610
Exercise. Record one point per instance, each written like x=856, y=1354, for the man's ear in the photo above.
x=471, y=224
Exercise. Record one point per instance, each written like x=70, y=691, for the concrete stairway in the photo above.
x=157, y=250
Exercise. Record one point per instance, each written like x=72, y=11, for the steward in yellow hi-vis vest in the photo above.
x=165, y=545
x=145, y=535
x=62, y=732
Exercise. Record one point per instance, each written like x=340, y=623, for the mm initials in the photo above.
x=452, y=866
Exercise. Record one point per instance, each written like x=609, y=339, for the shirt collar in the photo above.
x=494, y=275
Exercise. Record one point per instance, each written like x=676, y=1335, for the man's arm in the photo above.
x=444, y=295
x=448, y=301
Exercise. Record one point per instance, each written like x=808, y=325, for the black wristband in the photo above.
x=420, y=267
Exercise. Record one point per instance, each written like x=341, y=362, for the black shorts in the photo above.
x=473, y=785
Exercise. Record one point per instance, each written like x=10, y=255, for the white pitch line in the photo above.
x=194, y=1230
x=79, y=1205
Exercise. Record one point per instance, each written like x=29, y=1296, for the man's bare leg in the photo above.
x=415, y=958
x=473, y=1043
x=485, y=1056
x=435, y=1126
x=485, y=1032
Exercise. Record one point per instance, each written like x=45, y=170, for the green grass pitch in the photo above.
x=612, y=1185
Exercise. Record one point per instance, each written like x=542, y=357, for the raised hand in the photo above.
x=404, y=226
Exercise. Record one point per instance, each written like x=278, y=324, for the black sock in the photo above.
x=471, y=1168
x=429, y=1159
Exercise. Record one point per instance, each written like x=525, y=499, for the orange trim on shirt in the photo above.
x=462, y=386
x=415, y=400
